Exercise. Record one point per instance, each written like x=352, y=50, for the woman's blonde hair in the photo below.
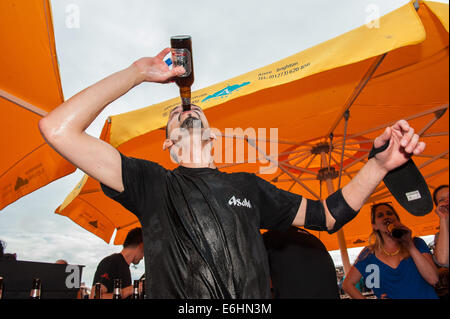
x=375, y=239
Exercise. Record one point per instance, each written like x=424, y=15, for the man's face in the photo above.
x=442, y=200
x=139, y=254
x=187, y=120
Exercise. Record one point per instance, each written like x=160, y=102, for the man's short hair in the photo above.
x=436, y=191
x=133, y=238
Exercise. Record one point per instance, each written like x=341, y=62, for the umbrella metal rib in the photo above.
x=408, y=118
x=19, y=102
x=439, y=156
x=301, y=173
x=280, y=166
x=437, y=115
x=357, y=91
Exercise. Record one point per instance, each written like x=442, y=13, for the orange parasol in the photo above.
x=29, y=88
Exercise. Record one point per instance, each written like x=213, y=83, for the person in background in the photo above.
x=440, y=256
x=393, y=268
x=300, y=265
x=360, y=285
x=117, y=266
x=2, y=249
x=440, y=198
x=4, y=256
x=61, y=262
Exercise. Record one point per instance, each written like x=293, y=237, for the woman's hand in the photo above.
x=406, y=240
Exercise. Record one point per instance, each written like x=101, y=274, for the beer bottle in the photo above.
x=135, y=294
x=143, y=295
x=98, y=291
x=1, y=287
x=117, y=293
x=397, y=233
x=36, y=289
x=182, y=55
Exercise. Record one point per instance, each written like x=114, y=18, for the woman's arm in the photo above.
x=441, y=248
x=424, y=261
x=425, y=265
x=349, y=284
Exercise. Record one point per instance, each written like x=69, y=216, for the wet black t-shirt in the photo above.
x=201, y=228
x=110, y=268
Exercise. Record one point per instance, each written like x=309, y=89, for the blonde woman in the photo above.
x=400, y=268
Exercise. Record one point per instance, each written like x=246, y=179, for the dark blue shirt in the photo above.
x=403, y=282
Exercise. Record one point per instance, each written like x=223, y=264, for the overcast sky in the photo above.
x=96, y=38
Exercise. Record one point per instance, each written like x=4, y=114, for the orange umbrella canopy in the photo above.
x=29, y=88
x=378, y=75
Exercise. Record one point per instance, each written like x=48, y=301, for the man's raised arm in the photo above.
x=343, y=205
x=64, y=127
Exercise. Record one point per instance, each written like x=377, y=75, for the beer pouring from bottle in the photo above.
x=181, y=48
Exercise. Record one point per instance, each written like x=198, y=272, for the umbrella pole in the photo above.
x=340, y=232
x=343, y=250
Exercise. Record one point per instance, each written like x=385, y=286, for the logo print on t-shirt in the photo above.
x=240, y=203
x=105, y=276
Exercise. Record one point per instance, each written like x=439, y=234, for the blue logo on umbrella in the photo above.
x=225, y=92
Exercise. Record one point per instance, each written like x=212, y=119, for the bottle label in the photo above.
x=182, y=57
x=35, y=293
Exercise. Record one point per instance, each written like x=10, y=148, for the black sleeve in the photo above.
x=277, y=207
x=143, y=182
x=105, y=274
